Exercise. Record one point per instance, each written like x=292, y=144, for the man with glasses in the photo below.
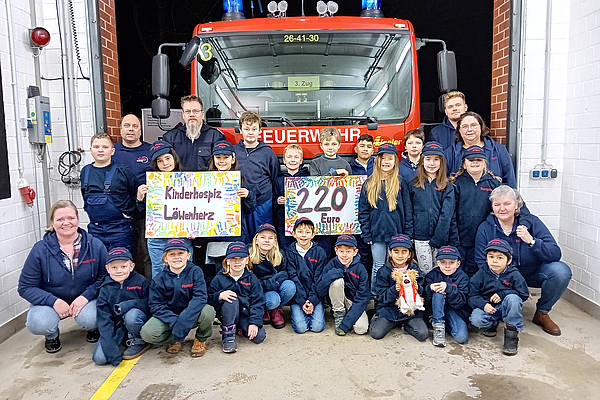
x=454, y=107
x=193, y=141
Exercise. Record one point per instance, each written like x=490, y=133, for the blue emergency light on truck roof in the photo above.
x=371, y=8
x=233, y=9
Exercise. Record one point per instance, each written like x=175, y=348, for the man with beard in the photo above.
x=193, y=142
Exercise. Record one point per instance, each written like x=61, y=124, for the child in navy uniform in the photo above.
x=347, y=282
x=413, y=143
x=109, y=193
x=446, y=290
x=497, y=292
x=178, y=302
x=238, y=297
x=122, y=310
x=363, y=163
x=387, y=313
x=305, y=261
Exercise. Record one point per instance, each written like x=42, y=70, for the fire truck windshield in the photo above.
x=307, y=78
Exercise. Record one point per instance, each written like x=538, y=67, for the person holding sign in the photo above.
x=384, y=208
x=329, y=163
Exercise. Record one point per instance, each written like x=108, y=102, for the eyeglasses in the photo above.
x=472, y=126
x=189, y=112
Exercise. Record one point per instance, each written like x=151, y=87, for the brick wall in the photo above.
x=110, y=59
x=500, y=61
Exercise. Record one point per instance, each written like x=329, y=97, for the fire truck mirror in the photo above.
x=210, y=70
x=190, y=51
x=161, y=108
x=446, y=63
x=161, y=76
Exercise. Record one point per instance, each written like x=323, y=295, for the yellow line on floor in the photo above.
x=114, y=380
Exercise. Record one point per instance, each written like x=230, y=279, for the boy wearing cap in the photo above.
x=237, y=295
x=329, y=163
x=446, y=290
x=497, y=292
x=347, y=282
x=178, y=302
x=122, y=310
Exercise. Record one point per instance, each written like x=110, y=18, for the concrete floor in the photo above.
x=317, y=366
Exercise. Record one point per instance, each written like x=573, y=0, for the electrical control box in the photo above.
x=39, y=124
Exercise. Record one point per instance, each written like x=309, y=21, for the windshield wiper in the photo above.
x=264, y=118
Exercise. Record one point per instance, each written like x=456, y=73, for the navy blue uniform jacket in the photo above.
x=526, y=259
x=280, y=191
x=358, y=169
x=433, y=212
x=306, y=272
x=270, y=277
x=123, y=187
x=444, y=133
x=178, y=300
x=379, y=224
x=136, y=158
x=251, y=298
x=259, y=167
x=114, y=301
x=406, y=168
x=385, y=290
x=457, y=289
x=45, y=278
x=485, y=283
x=356, y=287
x=194, y=156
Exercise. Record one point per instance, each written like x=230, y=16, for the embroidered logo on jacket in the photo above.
x=88, y=261
x=134, y=287
x=245, y=283
x=312, y=259
x=354, y=275
x=187, y=285
x=507, y=283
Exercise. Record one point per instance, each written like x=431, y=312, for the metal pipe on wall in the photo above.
x=547, y=54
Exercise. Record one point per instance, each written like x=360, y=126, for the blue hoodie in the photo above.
x=45, y=278
x=498, y=160
x=279, y=214
x=251, y=298
x=306, y=272
x=485, y=283
x=444, y=133
x=270, y=277
x=194, y=156
x=433, y=213
x=356, y=287
x=138, y=159
x=378, y=224
x=526, y=259
x=259, y=167
x=178, y=300
x=114, y=301
x=359, y=169
x=406, y=168
x=457, y=289
x=387, y=295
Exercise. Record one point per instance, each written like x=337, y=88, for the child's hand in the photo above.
x=252, y=331
x=439, y=287
x=141, y=192
x=281, y=200
x=341, y=172
x=228, y=295
x=523, y=234
x=495, y=298
x=242, y=192
x=488, y=308
x=308, y=307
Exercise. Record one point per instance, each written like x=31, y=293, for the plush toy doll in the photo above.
x=409, y=299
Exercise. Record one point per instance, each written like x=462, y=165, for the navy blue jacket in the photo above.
x=358, y=169
x=178, y=300
x=433, y=213
x=259, y=167
x=457, y=289
x=385, y=290
x=485, y=283
x=379, y=224
x=251, y=298
x=137, y=159
x=406, y=168
x=444, y=133
x=306, y=272
x=194, y=156
x=45, y=278
x=114, y=301
x=123, y=187
x=356, y=287
x=498, y=160
x=526, y=259
x=270, y=277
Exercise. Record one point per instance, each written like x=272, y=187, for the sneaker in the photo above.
x=228, y=338
x=490, y=332
x=338, y=316
x=439, y=334
x=53, y=345
x=511, y=340
x=135, y=350
x=198, y=348
x=92, y=336
x=174, y=348
x=277, y=318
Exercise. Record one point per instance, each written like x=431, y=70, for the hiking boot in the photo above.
x=53, y=345
x=174, y=348
x=277, y=318
x=92, y=336
x=491, y=331
x=338, y=316
x=134, y=350
x=439, y=334
x=543, y=320
x=228, y=338
x=511, y=340
x=267, y=317
x=198, y=348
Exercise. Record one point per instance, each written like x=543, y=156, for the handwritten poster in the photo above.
x=193, y=204
x=330, y=202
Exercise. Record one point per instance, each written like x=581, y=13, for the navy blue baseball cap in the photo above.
x=159, y=148
x=237, y=249
x=176, y=243
x=303, y=220
x=387, y=148
x=400, y=241
x=474, y=151
x=346, y=240
x=223, y=147
x=499, y=245
x=266, y=227
x=118, y=253
x=448, y=253
x=433, y=149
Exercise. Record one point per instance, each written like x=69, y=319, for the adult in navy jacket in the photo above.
x=132, y=151
x=472, y=131
x=193, y=142
x=454, y=107
x=535, y=252
x=61, y=277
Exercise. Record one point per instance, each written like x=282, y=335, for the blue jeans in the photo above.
x=287, y=290
x=379, y=253
x=230, y=315
x=444, y=313
x=553, y=278
x=43, y=320
x=156, y=249
x=134, y=319
x=509, y=311
x=302, y=322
